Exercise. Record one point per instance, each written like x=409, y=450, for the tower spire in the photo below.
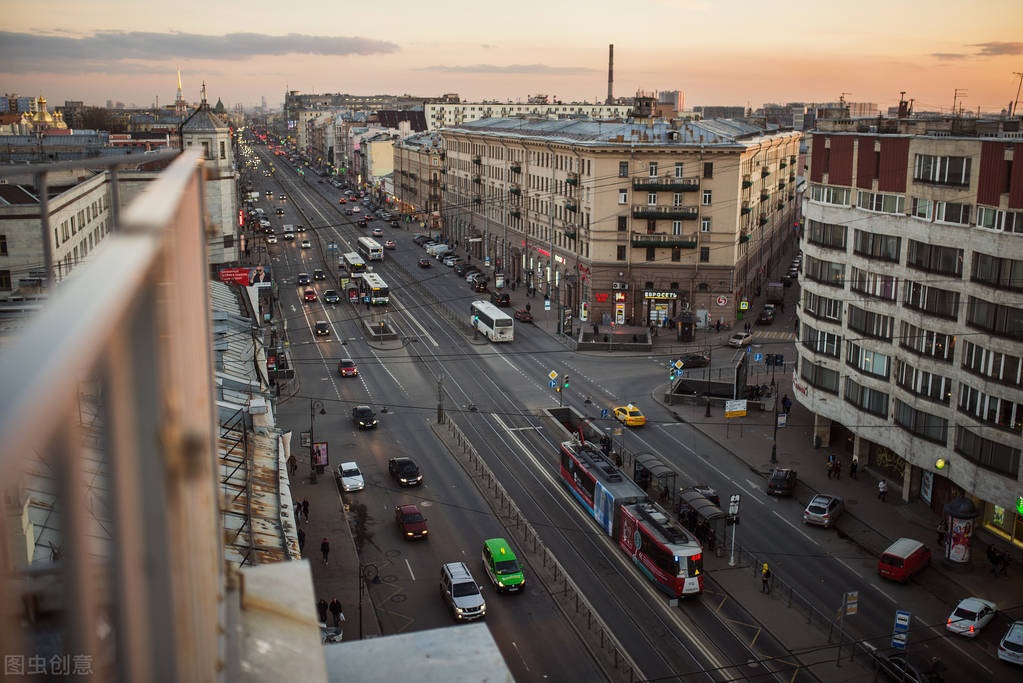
x=179, y=82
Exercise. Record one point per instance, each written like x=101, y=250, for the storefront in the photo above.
x=660, y=306
x=1004, y=523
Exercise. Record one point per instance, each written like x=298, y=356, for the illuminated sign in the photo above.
x=660, y=295
x=601, y=298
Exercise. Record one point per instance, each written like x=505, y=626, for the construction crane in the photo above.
x=1015, y=103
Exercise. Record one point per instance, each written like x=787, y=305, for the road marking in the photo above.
x=410, y=572
x=875, y=587
x=804, y=534
x=521, y=658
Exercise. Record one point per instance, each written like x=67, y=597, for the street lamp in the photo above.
x=313, y=405
x=774, y=442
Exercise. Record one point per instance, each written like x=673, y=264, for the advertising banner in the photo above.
x=258, y=276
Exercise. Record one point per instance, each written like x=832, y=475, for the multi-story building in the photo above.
x=911, y=321
x=638, y=222
x=444, y=114
x=419, y=176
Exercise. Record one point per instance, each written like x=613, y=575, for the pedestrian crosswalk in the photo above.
x=775, y=335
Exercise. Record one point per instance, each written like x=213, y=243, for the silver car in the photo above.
x=461, y=592
x=823, y=510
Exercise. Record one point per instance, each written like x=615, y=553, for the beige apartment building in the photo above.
x=631, y=222
x=418, y=176
x=442, y=114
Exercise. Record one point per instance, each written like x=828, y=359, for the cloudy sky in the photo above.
x=716, y=51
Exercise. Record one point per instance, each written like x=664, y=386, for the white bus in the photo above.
x=497, y=325
x=353, y=264
x=370, y=249
x=373, y=286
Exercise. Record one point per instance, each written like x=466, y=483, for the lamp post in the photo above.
x=313, y=405
x=774, y=442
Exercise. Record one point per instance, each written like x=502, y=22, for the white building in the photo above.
x=444, y=114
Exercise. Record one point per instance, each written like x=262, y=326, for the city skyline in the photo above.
x=731, y=55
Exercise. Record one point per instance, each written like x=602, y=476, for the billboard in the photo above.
x=258, y=276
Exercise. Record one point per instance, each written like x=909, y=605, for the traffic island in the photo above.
x=379, y=331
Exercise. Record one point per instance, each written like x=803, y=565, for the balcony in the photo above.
x=434, y=196
x=782, y=164
x=781, y=204
x=571, y=207
x=515, y=213
x=662, y=239
x=792, y=195
x=516, y=168
x=781, y=184
x=517, y=191
x=572, y=179
x=764, y=172
x=746, y=209
x=570, y=234
x=666, y=183
x=684, y=213
x=764, y=195
x=745, y=237
x=477, y=160
x=477, y=179
x=477, y=200
x=434, y=181
x=763, y=220
x=746, y=182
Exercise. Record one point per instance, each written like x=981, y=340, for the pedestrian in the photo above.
x=711, y=539
x=336, y=612
x=1004, y=563
x=321, y=609
x=838, y=468
x=717, y=325
x=829, y=468
x=305, y=508
x=853, y=466
x=301, y=540
x=367, y=303
x=596, y=329
x=325, y=549
x=942, y=530
x=882, y=490
x=298, y=513
x=765, y=579
x=786, y=403
x=292, y=465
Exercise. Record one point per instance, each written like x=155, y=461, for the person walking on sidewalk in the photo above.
x=853, y=466
x=942, y=530
x=305, y=508
x=298, y=513
x=838, y=468
x=765, y=579
x=301, y=540
x=325, y=549
x=321, y=609
x=292, y=466
x=336, y=612
x=829, y=466
x=882, y=490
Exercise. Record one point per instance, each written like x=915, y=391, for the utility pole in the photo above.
x=774, y=442
x=440, y=399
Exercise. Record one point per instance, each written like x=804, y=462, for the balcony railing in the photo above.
x=515, y=191
x=572, y=179
x=684, y=213
x=516, y=168
x=666, y=183
x=764, y=195
x=108, y=407
x=746, y=183
x=476, y=179
x=571, y=207
x=477, y=160
x=763, y=220
x=746, y=210
x=764, y=172
x=515, y=213
x=745, y=237
x=662, y=239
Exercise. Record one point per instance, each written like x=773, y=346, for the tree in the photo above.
x=95, y=118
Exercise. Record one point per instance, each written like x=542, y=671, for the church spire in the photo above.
x=180, y=106
x=203, y=103
x=180, y=94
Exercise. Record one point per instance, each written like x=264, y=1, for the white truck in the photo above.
x=439, y=250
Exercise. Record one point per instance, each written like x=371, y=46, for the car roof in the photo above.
x=823, y=498
x=499, y=547
x=974, y=604
x=348, y=360
x=403, y=459
x=363, y=408
x=903, y=547
x=408, y=508
x=458, y=571
x=348, y=465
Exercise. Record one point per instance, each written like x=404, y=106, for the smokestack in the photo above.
x=610, y=73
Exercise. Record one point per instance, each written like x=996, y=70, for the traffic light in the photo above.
x=566, y=381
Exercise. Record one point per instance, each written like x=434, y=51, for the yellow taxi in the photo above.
x=630, y=416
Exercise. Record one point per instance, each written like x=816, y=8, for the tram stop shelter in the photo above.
x=654, y=477
x=693, y=508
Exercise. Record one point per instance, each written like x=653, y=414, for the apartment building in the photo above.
x=911, y=320
x=628, y=221
x=418, y=176
x=443, y=114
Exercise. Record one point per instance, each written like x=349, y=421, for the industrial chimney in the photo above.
x=610, y=74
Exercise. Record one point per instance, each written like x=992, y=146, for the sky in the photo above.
x=724, y=52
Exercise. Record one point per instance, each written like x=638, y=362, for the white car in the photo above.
x=271, y=239
x=971, y=615
x=452, y=261
x=350, y=476
x=356, y=209
x=1011, y=647
x=306, y=244
x=740, y=339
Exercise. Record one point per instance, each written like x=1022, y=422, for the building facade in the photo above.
x=444, y=114
x=629, y=222
x=911, y=321
x=419, y=175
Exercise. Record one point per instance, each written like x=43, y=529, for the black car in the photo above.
x=424, y=262
x=303, y=279
x=501, y=299
x=280, y=211
x=331, y=296
x=782, y=482
x=364, y=417
x=322, y=328
x=318, y=274
x=479, y=285
x=695, y=360
x=405, y=471
x=462, y=269
x=766, y=317
x=896, y=667
x=420, y=239
x=394, y=224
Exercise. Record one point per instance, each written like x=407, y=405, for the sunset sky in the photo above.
x=722, y=52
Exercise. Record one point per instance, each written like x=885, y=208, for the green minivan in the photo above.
x=501, y=565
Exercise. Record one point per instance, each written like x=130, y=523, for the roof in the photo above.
x=203, y=119
x=391, y=117
x=903, y=547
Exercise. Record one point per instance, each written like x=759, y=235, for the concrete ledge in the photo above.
x=380, y=331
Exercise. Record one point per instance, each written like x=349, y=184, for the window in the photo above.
x=923, y=208
x=999, y=319
x=935, y=259
x=986, y=453
x=704, y=254
x=871, y=324
x=677, y=200
x=882, y=203
x=996, y=219
x=223, y=151
x=5, y=280
x=1000, y=367
x=940, y=302
x=623, y=169
x=706, y=197
x=3, y=244
x=708, y=169
x=1000, y=412
x=705, y=224
x=651, y=253
x=922, y=383
x=825, y=272
x=820, y=377
x=676, y=254
x=942, y=170
x=924, y=425
x=652, y=167
x=621, y=252
x=827, y=194
x=927, y=342
x=865, y=360
x=998, y=272
x=821, y=342
x=867, y=399
x=678, y=169
x=822, y=307
x=651, y=199
x=206, y=149
x=623, y=223
x=949, y=212
x=826, y=234
x=676, y=227
x=882, y=247
x=651, y=227
x=623, y=196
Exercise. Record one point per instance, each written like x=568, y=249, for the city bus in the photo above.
x=490, y=320
x=370, y=249
x=353, y=264
x=373, y=286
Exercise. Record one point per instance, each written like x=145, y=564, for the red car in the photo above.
x=411, y=521
x=309, y=295
x=523, y=316
x=342, y=201
x=347, y=368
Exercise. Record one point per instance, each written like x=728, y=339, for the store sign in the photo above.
x=722, y=301
x=601, y=297
x=660, y=295
x=619, y=296
x=559, y=259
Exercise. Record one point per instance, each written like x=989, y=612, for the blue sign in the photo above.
x=552, y=384
x=603, y=412
x=758, y=357
x=546, y=304
x=899, y=635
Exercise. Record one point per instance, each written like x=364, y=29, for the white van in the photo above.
x=438, y=250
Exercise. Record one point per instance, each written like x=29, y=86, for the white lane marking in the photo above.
x=409, y=565
x=709, y=464
x=796, y=528
x=414, y=321
x=875, y=587
x=521, y=658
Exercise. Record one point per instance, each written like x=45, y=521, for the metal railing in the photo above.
x=133, y=589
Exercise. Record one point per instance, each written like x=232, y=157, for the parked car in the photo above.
x=462, y=269
x=420, y=239
x=424, y=262
x=523, y=316
x=1010, y=649
x=460, y=591
x=970, y=616
x=346, y=368
x=740, y=339
x=364, y=417
x=902, y=559
x=695, y=360
x=322, y=328
x=782, y=482
x=331, y=296
x=405, y=471
x=350, y=476
x=318, y=274
x=309, y=295
x=452, y=261
x=823, y=510
x=410, y=521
